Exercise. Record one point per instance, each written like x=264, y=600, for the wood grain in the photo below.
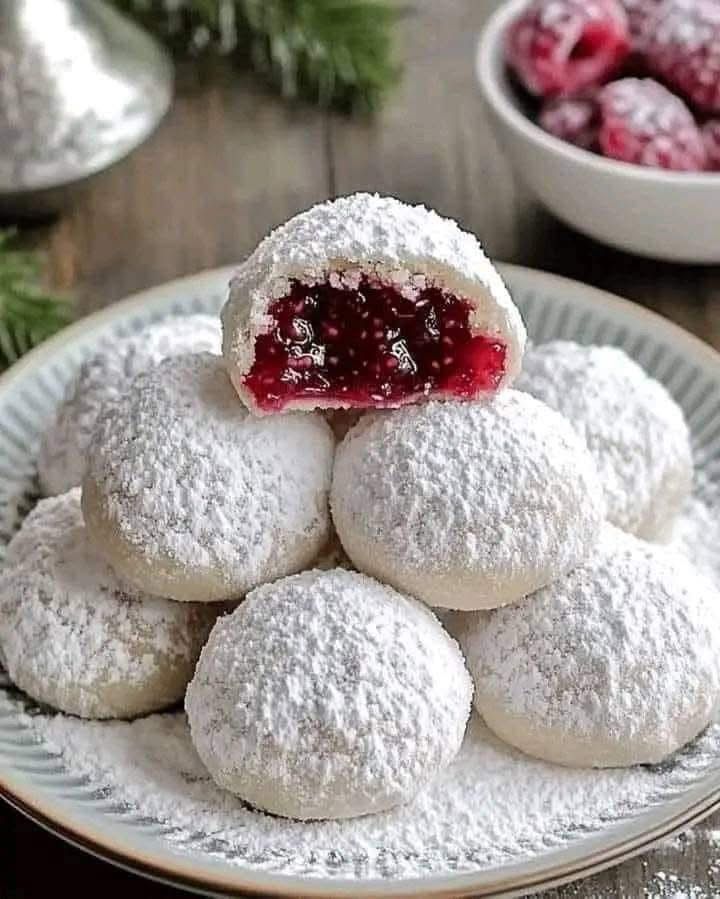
x=231, y=161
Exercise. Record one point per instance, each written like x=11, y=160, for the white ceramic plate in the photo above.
x=52, y=793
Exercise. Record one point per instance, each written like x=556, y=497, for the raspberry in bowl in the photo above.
x=643, y=123
x=562, y=47
x=681, y=46
x=625, y=158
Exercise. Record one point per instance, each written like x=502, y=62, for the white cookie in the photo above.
x=74, y=637
x=189, y=496
x=618, y=663
x=104, y=377
x=634, y=430
x=465, y=505
x=367, y=302
x=328, y=695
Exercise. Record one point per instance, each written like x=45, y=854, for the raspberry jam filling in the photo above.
x=370, y=346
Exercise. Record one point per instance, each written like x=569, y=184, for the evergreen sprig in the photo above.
x=337, y=53
x=28, y=313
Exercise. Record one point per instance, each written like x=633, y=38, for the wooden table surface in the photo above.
x=231, y=161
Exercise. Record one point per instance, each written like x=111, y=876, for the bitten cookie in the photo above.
x=366, y=302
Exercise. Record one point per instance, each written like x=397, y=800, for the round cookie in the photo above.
x=365, y=302
x=328, y=695
x=634, y=430
x=104, y=377
x=618, y=663
x=465, y=505
x=74, y=637
x=189, y=496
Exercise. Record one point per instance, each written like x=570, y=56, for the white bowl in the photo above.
x=665, y=215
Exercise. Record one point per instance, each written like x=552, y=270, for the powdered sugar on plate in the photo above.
x=492, y=806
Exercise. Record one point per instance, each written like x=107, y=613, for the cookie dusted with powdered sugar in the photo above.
x=634, y=430
x=328, y=695
x=618, y=663
x=466, y=505
x=366, y=302
x=74, y=637
x=189, y=496
x=104, y=377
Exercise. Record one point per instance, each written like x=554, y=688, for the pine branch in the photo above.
x=28, y=314
x=337, y=53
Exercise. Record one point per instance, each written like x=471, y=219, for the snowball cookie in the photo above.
x=364, y=302
x=466, y=506
x=105, y=376
x=328, y=695
x=74, y=637
x=189, y=496
x=618, y=663
x=634, y=429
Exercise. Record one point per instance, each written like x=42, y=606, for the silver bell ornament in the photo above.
x=80, y=87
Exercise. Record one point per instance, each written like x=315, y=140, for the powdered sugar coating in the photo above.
x=328, y=695
x=634, y=430
x=616, y=664
x=104, y=377
x=190, y=497
x=493, y=805
x=365, y=233
x=638, y=13
x=642, y=122
x=681, y=43
x=562, y=47
x=74, y=637
x=573, y=119
x=466, y=506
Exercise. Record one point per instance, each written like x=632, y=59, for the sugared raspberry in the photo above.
x=561, y=47
x=711, y=136
x=682, y=47
x=638, y=13
x=642, y=122
x=575, y=120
